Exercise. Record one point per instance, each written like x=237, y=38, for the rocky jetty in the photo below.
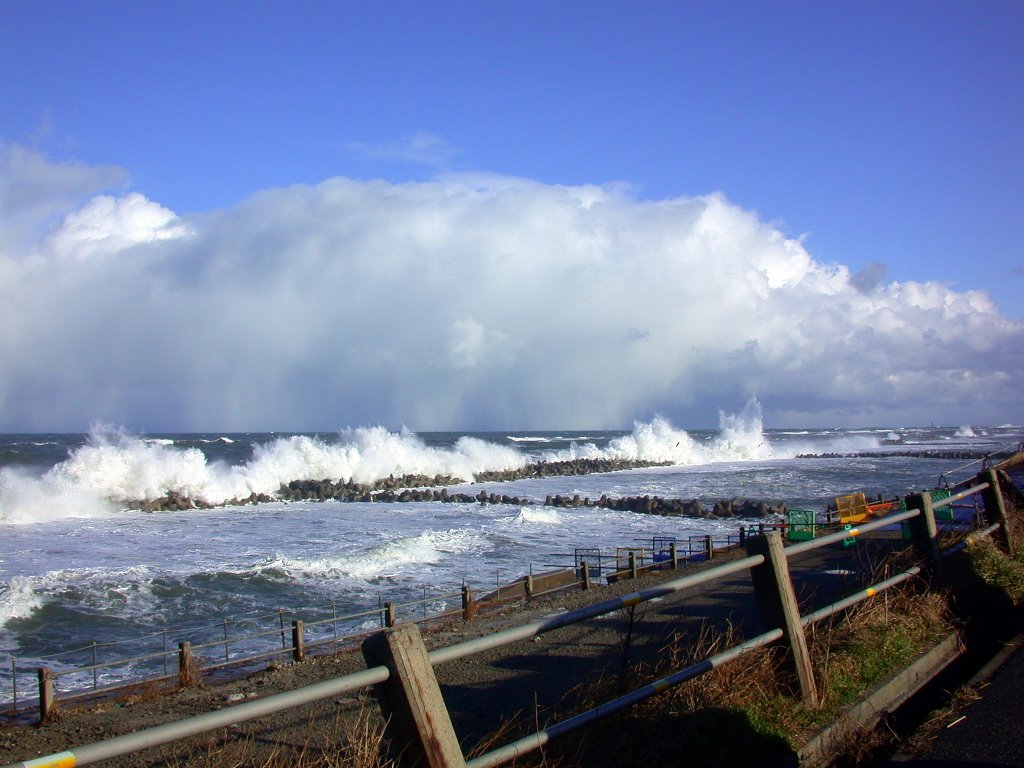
x=423, y=488
x=958, y=454
x=656, y=505
x=565, y=468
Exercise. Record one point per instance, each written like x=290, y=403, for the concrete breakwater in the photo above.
x=422, y=488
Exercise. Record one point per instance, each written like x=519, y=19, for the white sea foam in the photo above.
x=18, y=598
x=114, y=591
x=28, y=499
x=428, y=548
x=385, y=559
x=965, y=431
x=536, y=516
x=741, y=438
x=114, y=468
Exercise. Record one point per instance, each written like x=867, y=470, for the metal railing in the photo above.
x=236, y=650
x=920, y=514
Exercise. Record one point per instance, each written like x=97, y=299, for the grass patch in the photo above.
x=996, y=569
x=744, y=712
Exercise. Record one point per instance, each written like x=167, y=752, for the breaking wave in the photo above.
x=114, y=468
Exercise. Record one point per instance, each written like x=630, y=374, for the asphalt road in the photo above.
x=988, y=732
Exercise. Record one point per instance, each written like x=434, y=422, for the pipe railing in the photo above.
x=243, y=712
x=244, y=658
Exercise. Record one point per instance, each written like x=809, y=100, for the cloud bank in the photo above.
x=472, y=301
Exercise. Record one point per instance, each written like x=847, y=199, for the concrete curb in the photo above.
x=883, y=698
x=996, y=662
x=983, y=675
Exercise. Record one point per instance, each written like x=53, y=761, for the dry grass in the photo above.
x=997, y=569
x=347, y=740
x=744, y=712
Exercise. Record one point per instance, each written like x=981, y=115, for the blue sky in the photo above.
x=884, y=137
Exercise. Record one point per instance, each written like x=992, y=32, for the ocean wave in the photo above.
x=535, y=516
x=406, y=553
x=113, y=591
x=18, y=598
x=114, y=468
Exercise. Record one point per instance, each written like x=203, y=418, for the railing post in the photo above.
x=227, y=655
x=586, y=575
x=46, y=699
x=389, y=614
x=528, y=585
x=467, y=603
x=184, y=664
x=776, y=600
x=924, y=533
x=418, y=723
x=298, y=640
x=995, y=509
x=709, y=546
x=633, y=572
x=673, y=555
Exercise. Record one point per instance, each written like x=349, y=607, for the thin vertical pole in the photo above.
x=45, y=693
x=225, y=641
x=165, y=652
x=298, y=641
x=334, y=612
x=95, y=672
x=14, y=680
x=184, y=664
x=280, y=616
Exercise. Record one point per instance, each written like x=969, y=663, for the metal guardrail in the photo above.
x=126, y=744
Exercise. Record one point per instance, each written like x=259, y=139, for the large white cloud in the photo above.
x=471, y=301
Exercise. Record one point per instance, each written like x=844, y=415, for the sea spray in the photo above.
x=113, y=469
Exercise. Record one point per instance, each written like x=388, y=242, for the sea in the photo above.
x=84, y=577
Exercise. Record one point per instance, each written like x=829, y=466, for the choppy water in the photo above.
x=76, y=566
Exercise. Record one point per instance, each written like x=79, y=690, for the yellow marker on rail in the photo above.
x=870, y=591
x=60, y=760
